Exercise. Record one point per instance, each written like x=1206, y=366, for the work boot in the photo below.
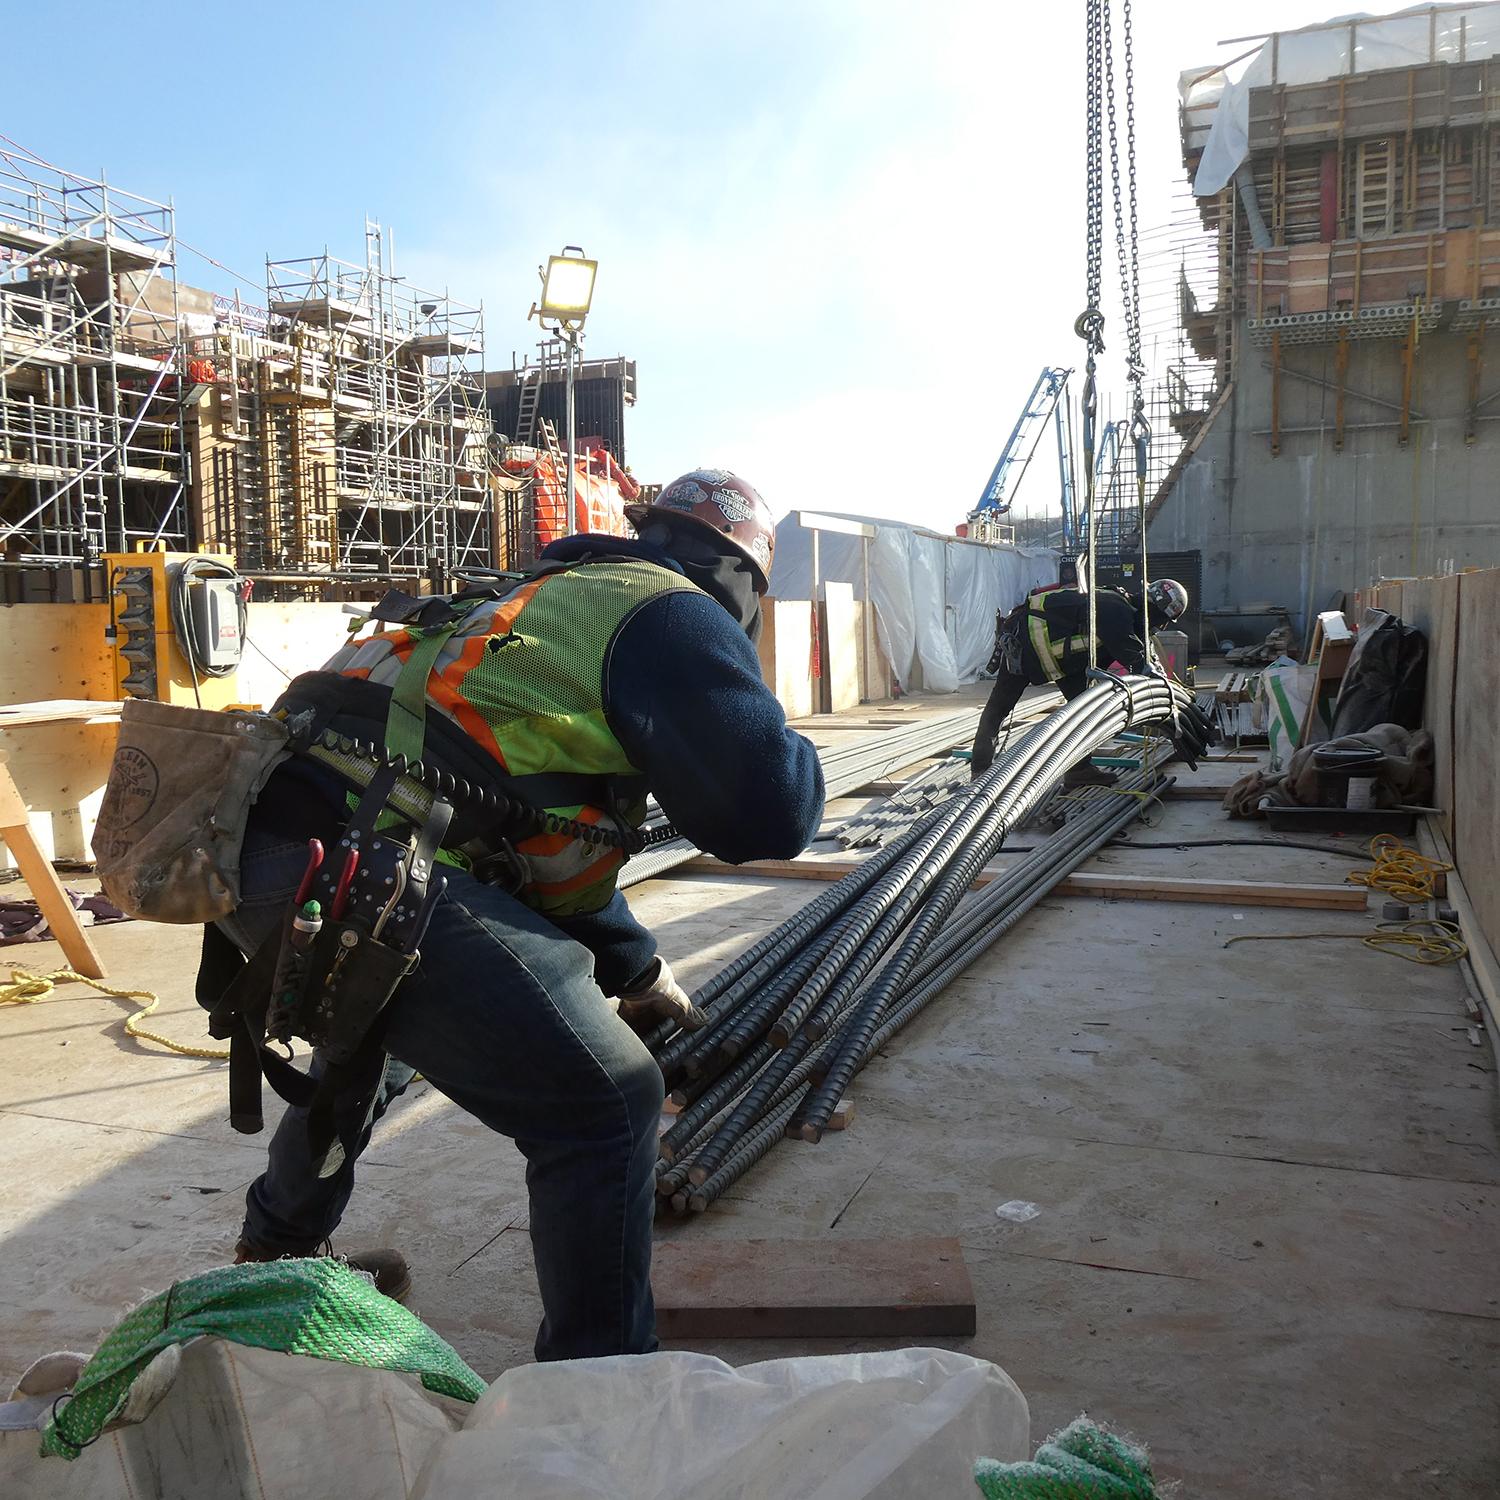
x=389, y=1269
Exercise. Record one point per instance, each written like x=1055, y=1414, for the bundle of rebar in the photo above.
x=795, y=1017
x=845, y=768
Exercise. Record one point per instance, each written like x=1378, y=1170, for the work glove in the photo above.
x=658, y=997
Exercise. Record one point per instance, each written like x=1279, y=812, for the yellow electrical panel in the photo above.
x=148, y=662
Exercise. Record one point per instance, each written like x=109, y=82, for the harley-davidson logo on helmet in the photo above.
x=683, y=495
x=734, y=505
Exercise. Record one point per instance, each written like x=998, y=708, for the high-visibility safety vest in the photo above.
x=1049, y=652
x=523, y=677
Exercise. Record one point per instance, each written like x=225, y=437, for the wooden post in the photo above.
x=36, y=869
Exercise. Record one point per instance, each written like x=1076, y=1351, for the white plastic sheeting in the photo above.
x=1356, y=43
x=902, y=1425
x=935, y=596
x=239, y=1423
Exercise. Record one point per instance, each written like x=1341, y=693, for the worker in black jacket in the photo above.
x=629, y=661
x=1046, y=639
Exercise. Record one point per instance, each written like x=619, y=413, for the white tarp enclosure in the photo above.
x=935, y=596
x=1349, y=44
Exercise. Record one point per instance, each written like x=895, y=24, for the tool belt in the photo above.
x=327, y=978
x=1010, y=643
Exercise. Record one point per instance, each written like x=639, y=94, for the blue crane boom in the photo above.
x=1044, y=404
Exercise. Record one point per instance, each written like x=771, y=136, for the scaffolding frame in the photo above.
x=92, y=428
x=398, y=373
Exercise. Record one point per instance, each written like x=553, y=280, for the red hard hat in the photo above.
x=727, y=506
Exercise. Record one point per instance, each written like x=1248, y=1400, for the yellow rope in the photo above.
x=1440, y=943
x=1398, y=870
x=26, y=987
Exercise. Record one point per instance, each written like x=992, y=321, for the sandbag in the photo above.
x=1385, y=679
x=223, y=1420
x=173, y=817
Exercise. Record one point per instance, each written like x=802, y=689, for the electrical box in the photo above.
x=147, y=660
x=214, y=615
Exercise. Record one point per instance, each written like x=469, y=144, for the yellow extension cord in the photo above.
x=1403, y=873
x=26, y=987
x=1398, y=870
x=1440, y=943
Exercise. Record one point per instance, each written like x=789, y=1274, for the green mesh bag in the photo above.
x=315, y=1307
x=1082, y=1462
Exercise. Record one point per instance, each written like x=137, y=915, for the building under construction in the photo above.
x=343, y=430
x=1349, y=175
x=93, y=432
x=339, y=435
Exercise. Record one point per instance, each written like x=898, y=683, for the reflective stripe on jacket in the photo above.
x=1049, y=652
x=523, y=677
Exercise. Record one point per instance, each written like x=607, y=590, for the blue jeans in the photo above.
x=503, y=1016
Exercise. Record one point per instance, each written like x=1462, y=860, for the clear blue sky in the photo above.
x=839, y=236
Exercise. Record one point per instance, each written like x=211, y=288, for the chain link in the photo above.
x=1103, y=120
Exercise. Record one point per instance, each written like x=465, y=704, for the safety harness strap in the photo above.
x=406, y=724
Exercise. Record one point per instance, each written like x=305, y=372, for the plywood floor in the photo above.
x=1268, y=1175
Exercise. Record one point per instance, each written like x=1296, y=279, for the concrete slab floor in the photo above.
x=1268, y=1174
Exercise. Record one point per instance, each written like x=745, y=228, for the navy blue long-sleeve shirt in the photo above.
x=684, y=696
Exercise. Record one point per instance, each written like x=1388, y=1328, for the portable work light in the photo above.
x=568, y=286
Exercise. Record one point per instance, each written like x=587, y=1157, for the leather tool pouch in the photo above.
x=347, y=980
x=174, y=812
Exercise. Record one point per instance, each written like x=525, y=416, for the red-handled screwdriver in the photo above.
x=346, y=879
x=314, y=864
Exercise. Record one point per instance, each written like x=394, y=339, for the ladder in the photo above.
x=531, y=394
x=548, y=430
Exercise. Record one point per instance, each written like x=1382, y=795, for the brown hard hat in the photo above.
x=724, y=504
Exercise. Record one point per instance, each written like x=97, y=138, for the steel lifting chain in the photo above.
x=1089, y=325
x=1140, y=428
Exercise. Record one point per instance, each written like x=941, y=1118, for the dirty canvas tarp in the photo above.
x=935, y=596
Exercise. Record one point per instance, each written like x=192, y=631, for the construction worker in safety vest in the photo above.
x=619, y=667
x=1045, y=639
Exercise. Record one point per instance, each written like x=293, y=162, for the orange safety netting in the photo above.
x=601, y=490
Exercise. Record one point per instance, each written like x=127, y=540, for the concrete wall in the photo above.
x=1293, y=529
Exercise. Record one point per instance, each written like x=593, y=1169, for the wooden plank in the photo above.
x=1195, y=791
x=46, y=889
x=799, y=1289
x=1081, y=883
x=1217, y=892
x=59, y=711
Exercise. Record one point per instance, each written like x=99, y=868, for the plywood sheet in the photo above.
x=1476, y=747
x=793, y=657
x=798, y=1289
x=54, y=651
x=841, y=646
